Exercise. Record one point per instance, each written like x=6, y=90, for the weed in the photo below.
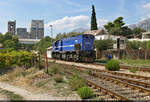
x=41, y=83
x=58, y=78
x=89, y=72
x=132, y=70
x=113, y=65
x=12, y=96
x=53, y=69
x=85, y=93
x=76, y=82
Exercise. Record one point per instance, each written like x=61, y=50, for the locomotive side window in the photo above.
x=77, y=46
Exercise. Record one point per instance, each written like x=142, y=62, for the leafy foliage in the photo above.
x=112, y=65
x=117, y=27
x=9, y=41
x=103, y=44
x=85, y=92
x=148, y=45
x=136, y=45
x=44, y=44
x=11, y=57
x=137, y=32
x=93, y=19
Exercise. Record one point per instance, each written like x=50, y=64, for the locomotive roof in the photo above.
x=73, y=37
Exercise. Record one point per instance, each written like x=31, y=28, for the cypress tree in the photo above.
x=93, y=19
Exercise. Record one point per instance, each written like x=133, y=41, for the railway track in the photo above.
x=144, y=69
x=118, y=85
x=117, y=89
x=130, y=78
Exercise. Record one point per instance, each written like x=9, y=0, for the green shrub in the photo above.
x=85, y=92
x=58, y=78
x=112, y=65
x=76, y=82
x=103, y=44
x=89, y=72
x=15, y=58
x=132, y=70
x=53, y=69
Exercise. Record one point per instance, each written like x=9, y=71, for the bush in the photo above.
x=85, y=92
x=132, y=70
x=15, y=58
x=112, y=65
x=76, y=82
x=58, y=78
x=103, y=44
x=53, y=69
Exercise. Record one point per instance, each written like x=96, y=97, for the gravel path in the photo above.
x=3, y=97
x=30, y=95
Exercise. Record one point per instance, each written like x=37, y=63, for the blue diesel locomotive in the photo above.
x=78, y=48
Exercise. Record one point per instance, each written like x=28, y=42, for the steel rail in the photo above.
x=110, y=78
x=111, y=93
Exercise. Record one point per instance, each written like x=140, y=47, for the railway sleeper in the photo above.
x=139, y=95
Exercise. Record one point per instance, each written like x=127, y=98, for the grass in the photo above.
x=11, y=96
x=138, y=62
x=17, y=73
x=132, y=70
x=41, y=83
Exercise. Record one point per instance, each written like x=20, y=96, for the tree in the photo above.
x=119, y=22
x=8, y=36
x=117, y=27
x=93, y=19
x=1, y=38
x=9, y=44
x=103, y=44
x=148, y=45
x=137, y=32
x=126, y=31
x=44, y=44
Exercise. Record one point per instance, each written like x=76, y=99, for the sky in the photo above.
x=67, y=15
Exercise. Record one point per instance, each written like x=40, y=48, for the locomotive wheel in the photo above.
x=67, y=57
x=75, y=58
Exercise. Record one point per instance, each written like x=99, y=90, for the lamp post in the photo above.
x=37, y=30
x=51, y=30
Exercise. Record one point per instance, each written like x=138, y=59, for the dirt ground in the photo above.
x=36, y=86
x=3, y=97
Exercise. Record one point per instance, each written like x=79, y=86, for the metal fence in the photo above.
x=124, y=54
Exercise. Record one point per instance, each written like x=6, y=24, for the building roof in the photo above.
x=96, y=32
x=49, y=48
